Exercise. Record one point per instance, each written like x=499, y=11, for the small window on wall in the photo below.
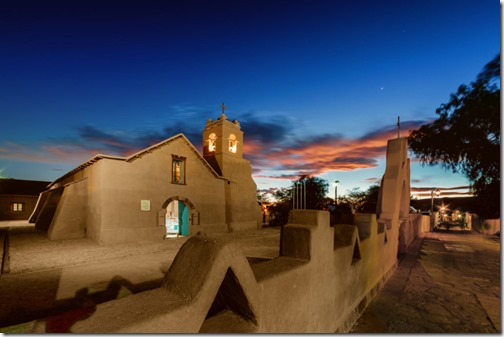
x=178, y=170
x=233, y=143
x=17, y=207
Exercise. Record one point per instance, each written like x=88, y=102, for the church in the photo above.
x=168, y=189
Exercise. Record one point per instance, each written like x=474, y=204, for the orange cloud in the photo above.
x=269, y=147
x=325, y=153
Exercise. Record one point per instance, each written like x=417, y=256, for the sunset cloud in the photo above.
x=318, y=154
x=271, y=145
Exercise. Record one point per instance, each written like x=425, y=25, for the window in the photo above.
x=17, y=207
x=178, y=170
x=232, y=143
x=211, y=142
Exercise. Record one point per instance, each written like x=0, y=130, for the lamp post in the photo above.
x=436, y=190
x=432, y=219
x=336, y=182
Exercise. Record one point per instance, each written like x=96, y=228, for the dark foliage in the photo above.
x=316, y=189
x=279, y=211
x=342, y=213
x=363, y=201
x=466, y=137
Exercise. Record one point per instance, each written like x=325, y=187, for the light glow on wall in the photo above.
x=212, y=138
x=233, y=143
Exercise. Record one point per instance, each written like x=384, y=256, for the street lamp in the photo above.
x=336, y=182
x=437, y=192
x=432, y=219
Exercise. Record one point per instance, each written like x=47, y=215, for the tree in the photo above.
x=466, y=137
x=279, y=210
x=316, y=190
x=363, y=201
x=342, y=213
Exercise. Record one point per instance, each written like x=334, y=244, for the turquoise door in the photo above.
x=183, y=212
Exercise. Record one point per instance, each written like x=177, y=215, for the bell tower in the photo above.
x=223, y=150
x=222, y=140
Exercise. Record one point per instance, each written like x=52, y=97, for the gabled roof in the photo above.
x=22, y=187
x=138, y=155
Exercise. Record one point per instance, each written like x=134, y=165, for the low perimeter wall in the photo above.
x=411, y=228
x=489, y=226
x=321, y=282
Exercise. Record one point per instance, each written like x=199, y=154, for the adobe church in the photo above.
x=167, y=189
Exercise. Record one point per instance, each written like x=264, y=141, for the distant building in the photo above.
x=19, y=197
x=165, y=190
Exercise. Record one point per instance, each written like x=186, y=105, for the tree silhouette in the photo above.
x=316, y=190
x=466, y=137
x=363, y=201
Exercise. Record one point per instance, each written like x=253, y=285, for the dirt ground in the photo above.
x=31, y=251
x=50, y=280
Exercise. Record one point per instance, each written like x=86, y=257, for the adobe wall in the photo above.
x=72, y=208
x=321, y=282
x=242, y=210
x=44, y=214
x=103, y=201
x=6, y=200
x=411, y=228
x=491, y=226
x=149, y=178
x=70, y=217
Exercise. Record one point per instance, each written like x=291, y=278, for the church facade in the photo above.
x=167, y=189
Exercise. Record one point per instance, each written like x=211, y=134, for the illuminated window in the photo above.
x=211, y=142
x=178, y=170
x=233, y=143
x=17, y=207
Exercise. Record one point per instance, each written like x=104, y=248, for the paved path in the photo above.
x=447, y=282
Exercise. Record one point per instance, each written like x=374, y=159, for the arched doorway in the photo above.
x=177, y=215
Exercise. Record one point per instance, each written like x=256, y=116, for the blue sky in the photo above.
x=316, y=85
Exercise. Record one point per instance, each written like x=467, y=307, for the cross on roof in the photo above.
x=223, y=107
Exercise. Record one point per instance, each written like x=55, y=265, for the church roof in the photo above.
x=138, y=155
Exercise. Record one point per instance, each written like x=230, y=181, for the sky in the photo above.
x=317, y=85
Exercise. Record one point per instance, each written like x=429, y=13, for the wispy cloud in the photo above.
x=423, y=189
x=318, y=154
x=272, y=144
x=45, y=153
x=425, y=192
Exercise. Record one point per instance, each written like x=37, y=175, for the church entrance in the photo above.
x=177, y=214
x=177, y=219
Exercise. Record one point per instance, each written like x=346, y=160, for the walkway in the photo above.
x=446, y=283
